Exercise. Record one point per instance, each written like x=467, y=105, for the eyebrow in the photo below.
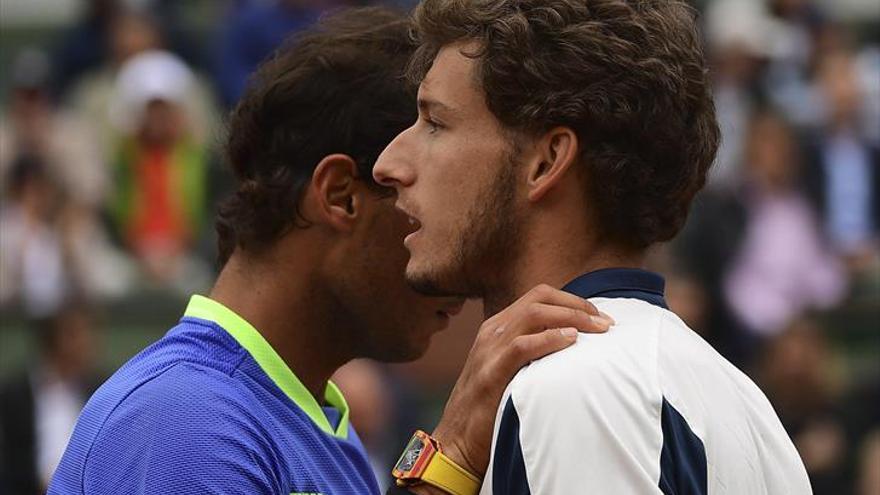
x=427, y=105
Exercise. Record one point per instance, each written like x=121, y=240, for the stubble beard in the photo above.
x=484, y=250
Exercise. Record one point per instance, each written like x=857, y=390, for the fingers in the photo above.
x=539, y=316
x=527, y=348
x=545, y=307
x=548, y=295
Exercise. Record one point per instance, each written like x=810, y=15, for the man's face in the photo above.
x=456, y=178
x=394, y=322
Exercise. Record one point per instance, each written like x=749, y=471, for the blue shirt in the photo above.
x=211, y=408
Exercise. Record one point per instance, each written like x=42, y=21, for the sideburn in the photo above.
x=492, y=241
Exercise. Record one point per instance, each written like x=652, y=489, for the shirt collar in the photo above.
x=620, y=282
x=271, y=363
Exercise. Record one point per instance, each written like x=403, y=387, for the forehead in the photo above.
x=452, y=79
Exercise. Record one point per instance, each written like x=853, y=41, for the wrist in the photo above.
x=425, y=467
x=456, y=453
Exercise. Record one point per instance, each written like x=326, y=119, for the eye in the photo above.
x=433, y=126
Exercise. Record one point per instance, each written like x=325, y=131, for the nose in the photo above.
x=393, y=167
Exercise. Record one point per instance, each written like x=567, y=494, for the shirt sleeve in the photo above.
x=569, y=423
x=173, y=438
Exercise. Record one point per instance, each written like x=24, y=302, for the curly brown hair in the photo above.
x=338, y=87
x=628, y=76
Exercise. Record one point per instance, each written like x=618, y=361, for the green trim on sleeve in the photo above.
x=271, y=363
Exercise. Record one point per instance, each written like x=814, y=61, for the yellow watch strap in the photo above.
x=449, y=476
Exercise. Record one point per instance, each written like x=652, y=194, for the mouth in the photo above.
x=414, y=223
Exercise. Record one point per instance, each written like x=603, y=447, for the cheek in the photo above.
x=455, y=172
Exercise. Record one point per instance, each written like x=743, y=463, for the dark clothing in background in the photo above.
x=706, y=247
x=85, y=47
x=18, y=436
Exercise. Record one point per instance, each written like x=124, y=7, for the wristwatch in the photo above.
x=423, y=462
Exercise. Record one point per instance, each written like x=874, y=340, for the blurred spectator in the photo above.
x=50, y=246
x=869, y=465
x=32, y=269
x=740, y=41
x=843, y=173
x=794, y=375
x=782, y=266
x=38, y=409
x=179, y=37
x=701, y=256
x=33, y=126
x=89, y=44
x=801, y=27
x=253, y=31
x=132, y=33
x=129, y=34
x=85, y=46
x=803, y=20
x=160, y=169
x=54, y=181
x=753, y=255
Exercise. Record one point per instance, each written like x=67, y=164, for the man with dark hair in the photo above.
x=237, y=397
x=574, y=135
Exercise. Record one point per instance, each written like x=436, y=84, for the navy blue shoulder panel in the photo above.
x=509, y=467
x=620, y=282
x=683, y=467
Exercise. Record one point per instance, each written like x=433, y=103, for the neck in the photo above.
x=282, y=301
x=554, y=255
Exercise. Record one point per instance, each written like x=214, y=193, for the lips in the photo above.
x=414, y=223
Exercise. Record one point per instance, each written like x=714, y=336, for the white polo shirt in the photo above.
x=647, y=408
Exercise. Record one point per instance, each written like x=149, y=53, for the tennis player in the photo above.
x=236, y=398
x=574, y=135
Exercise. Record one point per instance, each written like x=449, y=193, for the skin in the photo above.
x=459, y=149
x=332, y=292
x=336, y=291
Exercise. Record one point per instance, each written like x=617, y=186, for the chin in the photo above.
x=403, y=352
x=429, y=283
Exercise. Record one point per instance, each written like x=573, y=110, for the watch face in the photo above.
x=410, y=458
x=411, y=455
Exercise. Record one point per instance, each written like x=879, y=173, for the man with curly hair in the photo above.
x=573, y=135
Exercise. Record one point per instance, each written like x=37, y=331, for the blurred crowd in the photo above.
x=110, y=167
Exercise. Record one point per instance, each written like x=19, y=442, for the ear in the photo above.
x=555, y=153
x=335, y=193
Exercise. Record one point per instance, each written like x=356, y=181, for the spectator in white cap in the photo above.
x=160, y=168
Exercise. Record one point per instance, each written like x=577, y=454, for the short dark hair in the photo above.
x=628, y=76
x=339, y=87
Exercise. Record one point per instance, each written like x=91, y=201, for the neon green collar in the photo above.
x=271, y=363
